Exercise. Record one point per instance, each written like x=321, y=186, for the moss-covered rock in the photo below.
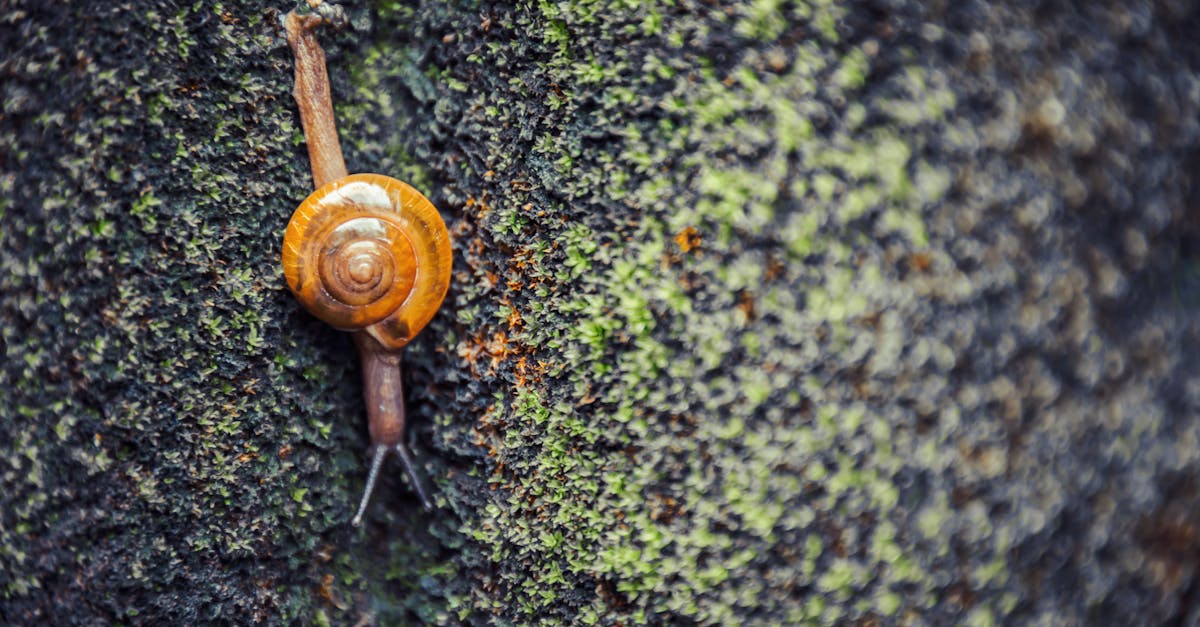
x=766, y=312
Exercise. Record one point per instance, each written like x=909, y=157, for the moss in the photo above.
x=624, y=378
x=743, y=327
x=157, y=393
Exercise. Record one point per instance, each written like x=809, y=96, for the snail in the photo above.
x=366, y=253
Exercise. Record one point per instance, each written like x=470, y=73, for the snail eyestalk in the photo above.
x=402, y=451
x=376, y=463
x=313, y=98
x=378, y=456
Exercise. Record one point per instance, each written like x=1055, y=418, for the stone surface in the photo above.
x=764, y=313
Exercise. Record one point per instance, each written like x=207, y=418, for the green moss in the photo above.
x=611, y=302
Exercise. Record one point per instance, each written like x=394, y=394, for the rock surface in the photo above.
x=763, y=313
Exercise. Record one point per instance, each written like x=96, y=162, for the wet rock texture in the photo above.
x=762, y=313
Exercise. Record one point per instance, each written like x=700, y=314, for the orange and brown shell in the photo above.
x=369, y=252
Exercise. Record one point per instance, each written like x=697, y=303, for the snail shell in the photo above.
x=368, y=252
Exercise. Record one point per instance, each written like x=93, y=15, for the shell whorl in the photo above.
x=369, y=252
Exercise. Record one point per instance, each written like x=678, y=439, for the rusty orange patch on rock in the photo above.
x=688, y=239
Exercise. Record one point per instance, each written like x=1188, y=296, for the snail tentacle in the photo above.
x=377, y=457
x=405, y=458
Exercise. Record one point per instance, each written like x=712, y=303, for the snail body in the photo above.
x=366, y=253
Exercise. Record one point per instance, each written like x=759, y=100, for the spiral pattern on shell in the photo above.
x=369, y=252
